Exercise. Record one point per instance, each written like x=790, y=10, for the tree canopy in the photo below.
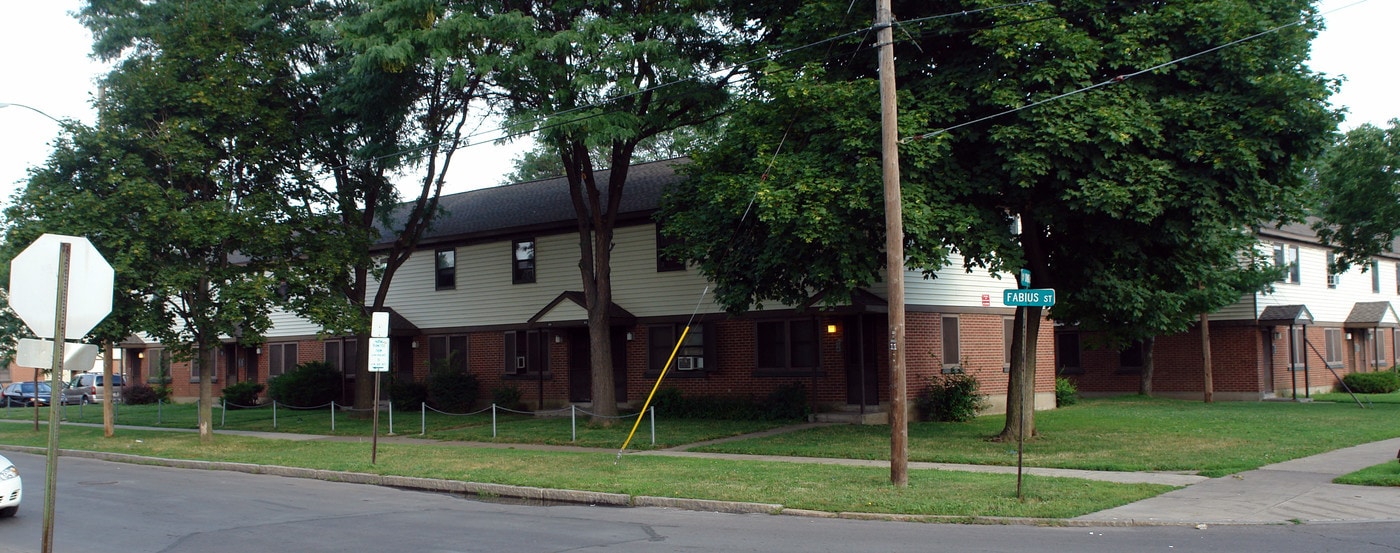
x=1358, y=181
x=1132, y=146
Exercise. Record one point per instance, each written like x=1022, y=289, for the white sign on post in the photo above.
x=38, y=354
x=378, y=355
x=34, y=286
x=379, y=324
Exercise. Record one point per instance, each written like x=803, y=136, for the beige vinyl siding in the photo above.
x=289, y=324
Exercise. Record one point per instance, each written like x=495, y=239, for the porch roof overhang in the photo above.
x=400, y=325
x=571, y=309
x=1285, y=315
x=862, y=301
x=1372, y=314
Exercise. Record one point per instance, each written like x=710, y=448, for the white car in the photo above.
x=11, y=489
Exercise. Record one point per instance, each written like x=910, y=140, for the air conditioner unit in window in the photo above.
x=690, y=363
x=520, y=363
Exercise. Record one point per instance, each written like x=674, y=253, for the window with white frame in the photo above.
x=1380, y=358
x=1286, y=256
x=1333, y=350
x=1297, y=345
x=1332, y=277
x=1375, y=276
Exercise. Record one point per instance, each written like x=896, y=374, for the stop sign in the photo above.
x=34, y=286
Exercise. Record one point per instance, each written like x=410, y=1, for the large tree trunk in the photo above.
x=1208, y=378
x=600, y=355
x=1148, y=366
x=1020, y=392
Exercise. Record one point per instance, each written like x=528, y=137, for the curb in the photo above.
x=585, y=497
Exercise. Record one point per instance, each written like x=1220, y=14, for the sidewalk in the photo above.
x=1297, y=491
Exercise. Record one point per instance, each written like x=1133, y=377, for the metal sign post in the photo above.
x=32, y=272
x=378, y=364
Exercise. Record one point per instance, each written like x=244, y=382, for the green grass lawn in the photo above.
x=561, y=429
x=801, y=486
x=1384, y=474
x=1124, y=434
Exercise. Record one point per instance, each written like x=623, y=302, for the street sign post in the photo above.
x=1029, y=297
x=378, y=364
x=51, y=274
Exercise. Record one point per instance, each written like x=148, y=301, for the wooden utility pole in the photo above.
x=894, y=246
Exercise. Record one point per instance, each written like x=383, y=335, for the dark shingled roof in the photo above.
x=1279, y=315
x=541, y=205
x=1372, y=314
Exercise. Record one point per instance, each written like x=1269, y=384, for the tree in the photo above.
x=604, y=77
x=1358, y=181
x=198, y=168
x=1147, y=179
x=393, y=102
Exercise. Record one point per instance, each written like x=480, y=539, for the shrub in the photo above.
x=452, y=390
x=311, y=384
x=951, y=398
x=408, y=395
x=788, y=402
x=242, y=394
x=142, y=394
x=1066, y=393
x=507, y=397
x=1383, y=382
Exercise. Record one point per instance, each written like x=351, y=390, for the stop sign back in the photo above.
x=34, y=286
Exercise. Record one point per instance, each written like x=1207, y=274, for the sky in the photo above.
x=46, y=66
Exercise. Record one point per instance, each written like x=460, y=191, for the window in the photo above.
x=1332, y=276
x=197, y=368
x=665, y=263
x=1287, y=256
x=951, y=352
x=693, y=356
x=522, y=261
x=1397, y=278
x=448, y=352
x=446, y=269
x=1379, y=360
x=1375, y=276
x=1297, y=340
x=1333, y=339
x=787, y=345
x=344, y=355
x=527, y=352
x=1131, y=357
x=1008, y=335
x=1067, y=353
x=281, y=358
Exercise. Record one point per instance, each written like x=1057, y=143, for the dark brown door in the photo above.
x=580, y=376
x=862, y=347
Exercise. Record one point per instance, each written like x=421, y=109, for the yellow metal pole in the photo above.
x=643, y=412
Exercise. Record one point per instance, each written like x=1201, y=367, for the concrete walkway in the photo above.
x=1294, y=491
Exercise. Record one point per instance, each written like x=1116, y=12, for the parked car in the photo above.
x=87, y=388
x=11, y=489
x=22, y=393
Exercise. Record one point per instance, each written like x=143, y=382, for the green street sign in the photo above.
x=1029, y=297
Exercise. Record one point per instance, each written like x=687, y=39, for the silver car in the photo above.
x=87, y=388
